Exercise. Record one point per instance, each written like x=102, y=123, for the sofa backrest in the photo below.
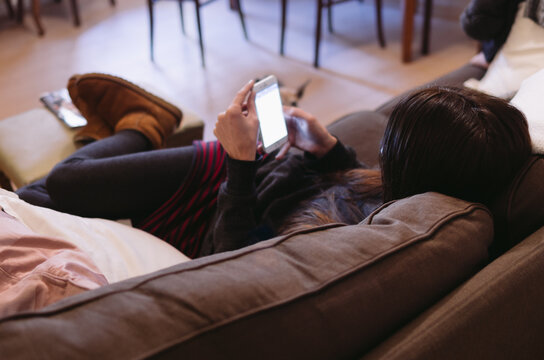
x=363, y=131
x=329, y=292
x=519, y=211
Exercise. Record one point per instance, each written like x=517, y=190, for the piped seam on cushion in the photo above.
x=323, y=285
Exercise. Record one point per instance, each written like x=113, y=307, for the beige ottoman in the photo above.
x=33, y=142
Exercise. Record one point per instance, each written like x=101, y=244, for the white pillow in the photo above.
x=119, y=251
x=530, y=101
x=521, y=56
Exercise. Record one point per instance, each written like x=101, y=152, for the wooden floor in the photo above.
x=356, y=74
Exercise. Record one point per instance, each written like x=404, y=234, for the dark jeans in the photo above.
x=117, y=177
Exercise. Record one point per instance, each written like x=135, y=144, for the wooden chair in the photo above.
x=328, y=4
x=9, y=7
x=75, y=10
x=36, y=13
x=235, y=5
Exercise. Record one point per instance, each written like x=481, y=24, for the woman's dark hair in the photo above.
x=359, y=186
x=454, y=141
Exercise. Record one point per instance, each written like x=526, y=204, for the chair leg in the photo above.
x=238, y=6
x=318, y=33
x=11, y=13
x=150, y=10
x=197, y=6
x=283, y=24
x=180, y=3
x=19, y=11
x=427, y=26
x=36, y=16
x=19, y=14
x=379, y=23
x=75, y=12
x=329, y=15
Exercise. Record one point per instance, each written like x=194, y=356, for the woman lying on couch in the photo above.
x=209, y=198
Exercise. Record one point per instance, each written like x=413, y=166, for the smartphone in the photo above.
x=272, y=127
x=60, y=104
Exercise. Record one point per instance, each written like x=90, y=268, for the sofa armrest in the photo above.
x=495, y=315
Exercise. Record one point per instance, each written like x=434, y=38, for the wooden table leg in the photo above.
x=409, y=7
x=427, y=15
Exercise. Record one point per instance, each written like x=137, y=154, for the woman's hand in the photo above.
x=237, y=128
x=306, y=133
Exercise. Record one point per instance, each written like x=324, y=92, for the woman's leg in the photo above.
x=36, y=194
x=114, y=178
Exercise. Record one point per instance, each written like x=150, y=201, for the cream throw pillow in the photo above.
x=119, y=251
x=521, y=56
x=530, y=100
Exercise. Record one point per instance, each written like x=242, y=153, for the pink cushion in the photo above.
x=36, y=271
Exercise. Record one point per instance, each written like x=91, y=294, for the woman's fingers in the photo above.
x=284, y=149
x=297, y=112
x=251, y=103
x=237, y=130
x=241, y=95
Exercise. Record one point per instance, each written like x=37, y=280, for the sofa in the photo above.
x=426, y=277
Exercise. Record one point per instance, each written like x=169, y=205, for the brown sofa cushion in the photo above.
x=520, y=210
x=330, y=292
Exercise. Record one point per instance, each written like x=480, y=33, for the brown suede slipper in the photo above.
x=92, y=131
x=110, y=102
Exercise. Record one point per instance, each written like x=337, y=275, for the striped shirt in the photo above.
x=182, y=221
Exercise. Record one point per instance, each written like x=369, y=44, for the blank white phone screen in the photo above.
x=270, y=114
